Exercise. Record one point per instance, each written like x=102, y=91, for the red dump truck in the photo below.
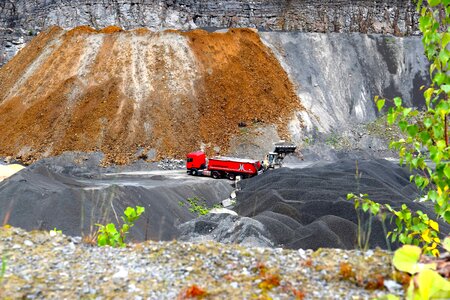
x=221, y=167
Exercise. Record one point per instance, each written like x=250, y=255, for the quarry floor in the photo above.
x=43, y=265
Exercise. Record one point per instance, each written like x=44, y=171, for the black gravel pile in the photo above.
x=307, y=208
x=74, y=198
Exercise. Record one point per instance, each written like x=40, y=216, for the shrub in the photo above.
x=109, y=235
x=426, y=133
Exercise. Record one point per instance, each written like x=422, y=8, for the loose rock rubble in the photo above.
x=172, y=164
x=40, y=265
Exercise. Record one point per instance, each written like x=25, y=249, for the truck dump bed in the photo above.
x=234, y=165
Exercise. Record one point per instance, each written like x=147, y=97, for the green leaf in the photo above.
x=427, y=122
x=430, y=283
x=365, y=206
x=424, y=23
x=101, y=240
x=439, y=78
x=111, y=228
x=425, y=137
x=374, y=208
x=412, y=130
x=380, y=104
x=419, y=5
x=406, y=111
x=398, y=101
x=445, y=39
x=444, y=56
x=140, y=210
x=391, y=118
x=130, y=212
x=402, y=124
x=446, y=88
x=434, y=2
x=441, y=144
x=438, y=131
x=419, y=181
x=406, y=258
x=125, y=228
x=447, y=170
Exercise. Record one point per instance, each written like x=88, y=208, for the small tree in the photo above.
x=426, y=133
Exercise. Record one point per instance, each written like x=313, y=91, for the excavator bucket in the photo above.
x=284, y=148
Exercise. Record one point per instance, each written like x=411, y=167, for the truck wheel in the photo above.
x=194, y=172
x=231, y=176
x=215, y=175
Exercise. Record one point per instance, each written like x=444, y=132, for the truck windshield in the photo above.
x=189, y=159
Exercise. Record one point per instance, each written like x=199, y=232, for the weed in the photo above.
x=376, y=283
x=332, y=140
x=55, y=232
x=411, y=227
x=198, y=206
x=109, y=235
x=346, y=270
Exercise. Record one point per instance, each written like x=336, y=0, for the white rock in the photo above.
x=392, y=286
x=227, y=202
x=222, y=211
x=122, y=273
x=302, y=253
x=28, y=243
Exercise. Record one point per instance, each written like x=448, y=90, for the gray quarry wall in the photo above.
x=338, y=75
x=20, y=20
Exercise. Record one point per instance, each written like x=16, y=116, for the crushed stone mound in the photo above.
x=128, y=92
x=49, y=194
x=307, y=208
x=227, y=229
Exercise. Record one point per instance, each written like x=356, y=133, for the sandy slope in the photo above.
x=120, y=91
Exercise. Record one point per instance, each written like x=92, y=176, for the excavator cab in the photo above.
x=281, y=149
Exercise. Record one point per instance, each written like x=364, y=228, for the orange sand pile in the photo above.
x=120, y=91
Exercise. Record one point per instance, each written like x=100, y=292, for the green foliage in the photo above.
x=425, y=282
x=364, y=205
x=198, y=206
x=55, y=231
x=414, y=228
x=109, y=235
x=425, y=134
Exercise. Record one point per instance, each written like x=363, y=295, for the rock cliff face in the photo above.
x=338, y=75
x=20, y=20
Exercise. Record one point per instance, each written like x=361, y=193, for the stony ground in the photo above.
x=44, y=265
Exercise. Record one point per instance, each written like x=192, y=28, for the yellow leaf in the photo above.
x=435, y=252
x=433, y=225
x=440, y=191
x=426, y=236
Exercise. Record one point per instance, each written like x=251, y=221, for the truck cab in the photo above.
x=195, y=161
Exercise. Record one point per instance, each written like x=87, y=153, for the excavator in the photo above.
x=275, y=158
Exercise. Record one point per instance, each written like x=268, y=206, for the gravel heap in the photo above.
x=172, y=164
x=44, y=265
